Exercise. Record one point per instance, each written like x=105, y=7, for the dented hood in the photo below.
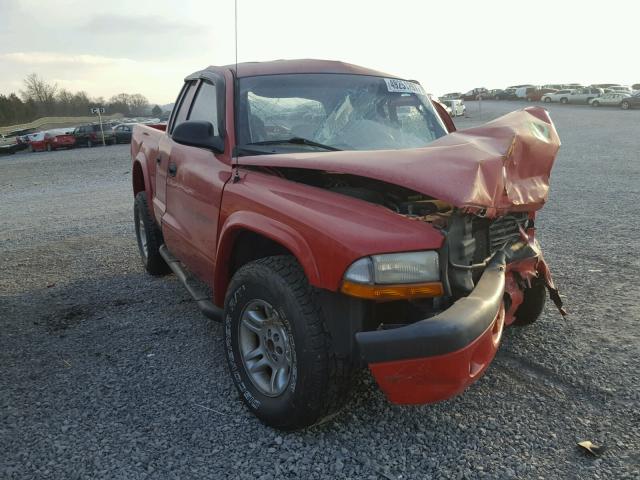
x=502, y=165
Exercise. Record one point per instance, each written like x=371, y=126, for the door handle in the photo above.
x=173, y=168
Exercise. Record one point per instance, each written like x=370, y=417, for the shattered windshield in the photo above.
x=305, y=112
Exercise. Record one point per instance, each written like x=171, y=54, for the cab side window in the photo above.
x=205, y=105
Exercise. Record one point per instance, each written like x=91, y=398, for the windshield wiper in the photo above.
x=297, y=141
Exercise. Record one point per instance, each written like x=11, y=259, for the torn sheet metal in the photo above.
x=503, y=165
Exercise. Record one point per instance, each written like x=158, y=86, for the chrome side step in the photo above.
x=193, y=286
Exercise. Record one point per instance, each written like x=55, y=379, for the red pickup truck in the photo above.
x=333, y=218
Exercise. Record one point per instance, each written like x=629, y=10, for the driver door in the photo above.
x=195, y=178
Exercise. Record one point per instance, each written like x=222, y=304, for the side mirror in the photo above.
x=198, y=134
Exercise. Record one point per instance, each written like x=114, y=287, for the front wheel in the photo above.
x=625, y=105
x=564, y=101
x=595, y=103
x=49, y=147
x=547, y=100
x=279, y=352
x=89, y=144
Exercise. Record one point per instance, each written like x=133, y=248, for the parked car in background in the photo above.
x=456, y=108
x=10, y=144
x=122, y=132
x=506, y=94
x=583, y=95
x=604, y=85
x=554, y=86
x=60, y=138
x=558, y=96
x=451, y=96
x=476, y=94
x=621, y=89
x=613, y=98
x=90, y=135
x=632, y=101
x=36, y=142
x=535, y=94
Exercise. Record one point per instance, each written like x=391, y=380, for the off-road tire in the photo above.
x=152, y=261
x=319, y=381
x=532, y=306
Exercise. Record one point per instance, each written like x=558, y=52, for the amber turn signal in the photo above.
x=392, y=292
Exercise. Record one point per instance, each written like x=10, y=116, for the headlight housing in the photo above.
x=394, y=276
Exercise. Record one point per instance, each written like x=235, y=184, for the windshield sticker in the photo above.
x=402, y=86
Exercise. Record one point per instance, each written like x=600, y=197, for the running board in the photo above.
x=192, y=285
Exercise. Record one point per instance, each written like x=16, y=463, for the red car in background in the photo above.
x=55, y=139
x=50, y=140
x=36, y=142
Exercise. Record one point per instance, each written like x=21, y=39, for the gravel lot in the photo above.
x=106, y=372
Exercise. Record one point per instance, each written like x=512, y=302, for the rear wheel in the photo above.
x=278, y=349
x=564, y=100
x=531, y=307
x=149, y=237
x=625, y=105
x=547, y=100
x=595, y=103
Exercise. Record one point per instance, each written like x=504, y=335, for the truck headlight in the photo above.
x=394, y=276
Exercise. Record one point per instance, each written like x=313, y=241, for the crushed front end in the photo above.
x=488, y=269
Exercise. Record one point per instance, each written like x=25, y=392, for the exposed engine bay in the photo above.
x=470, y=239
x=396, y=198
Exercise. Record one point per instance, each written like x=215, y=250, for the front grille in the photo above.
x=505, y=230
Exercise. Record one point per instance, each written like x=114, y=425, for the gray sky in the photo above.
x=148, y=47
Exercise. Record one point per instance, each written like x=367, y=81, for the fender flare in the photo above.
x=277, y=231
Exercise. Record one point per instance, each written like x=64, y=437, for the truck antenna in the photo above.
x=236, y=175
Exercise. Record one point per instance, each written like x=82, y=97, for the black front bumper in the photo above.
x=452, y=330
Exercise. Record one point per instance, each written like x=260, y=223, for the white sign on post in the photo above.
x=99, y=111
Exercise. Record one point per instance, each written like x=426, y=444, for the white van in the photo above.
x=521, y=92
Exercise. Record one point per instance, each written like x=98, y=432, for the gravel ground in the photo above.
x=109, y=373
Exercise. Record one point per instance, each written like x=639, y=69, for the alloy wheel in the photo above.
x=266, y=348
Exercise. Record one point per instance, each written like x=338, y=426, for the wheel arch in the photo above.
x=140, y=178
x=248, y=236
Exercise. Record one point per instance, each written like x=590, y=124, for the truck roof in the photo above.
x=279, y=67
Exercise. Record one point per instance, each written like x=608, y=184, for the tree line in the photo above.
x=42, y=99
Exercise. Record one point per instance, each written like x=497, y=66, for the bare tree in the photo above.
x=64, y=100
x=39, y=91
x=138, y=104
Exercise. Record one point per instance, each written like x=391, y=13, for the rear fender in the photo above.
x=286, y=236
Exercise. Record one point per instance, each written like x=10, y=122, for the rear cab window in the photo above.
x=182, y=106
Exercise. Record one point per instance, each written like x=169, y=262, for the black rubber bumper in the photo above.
x=447, y=332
